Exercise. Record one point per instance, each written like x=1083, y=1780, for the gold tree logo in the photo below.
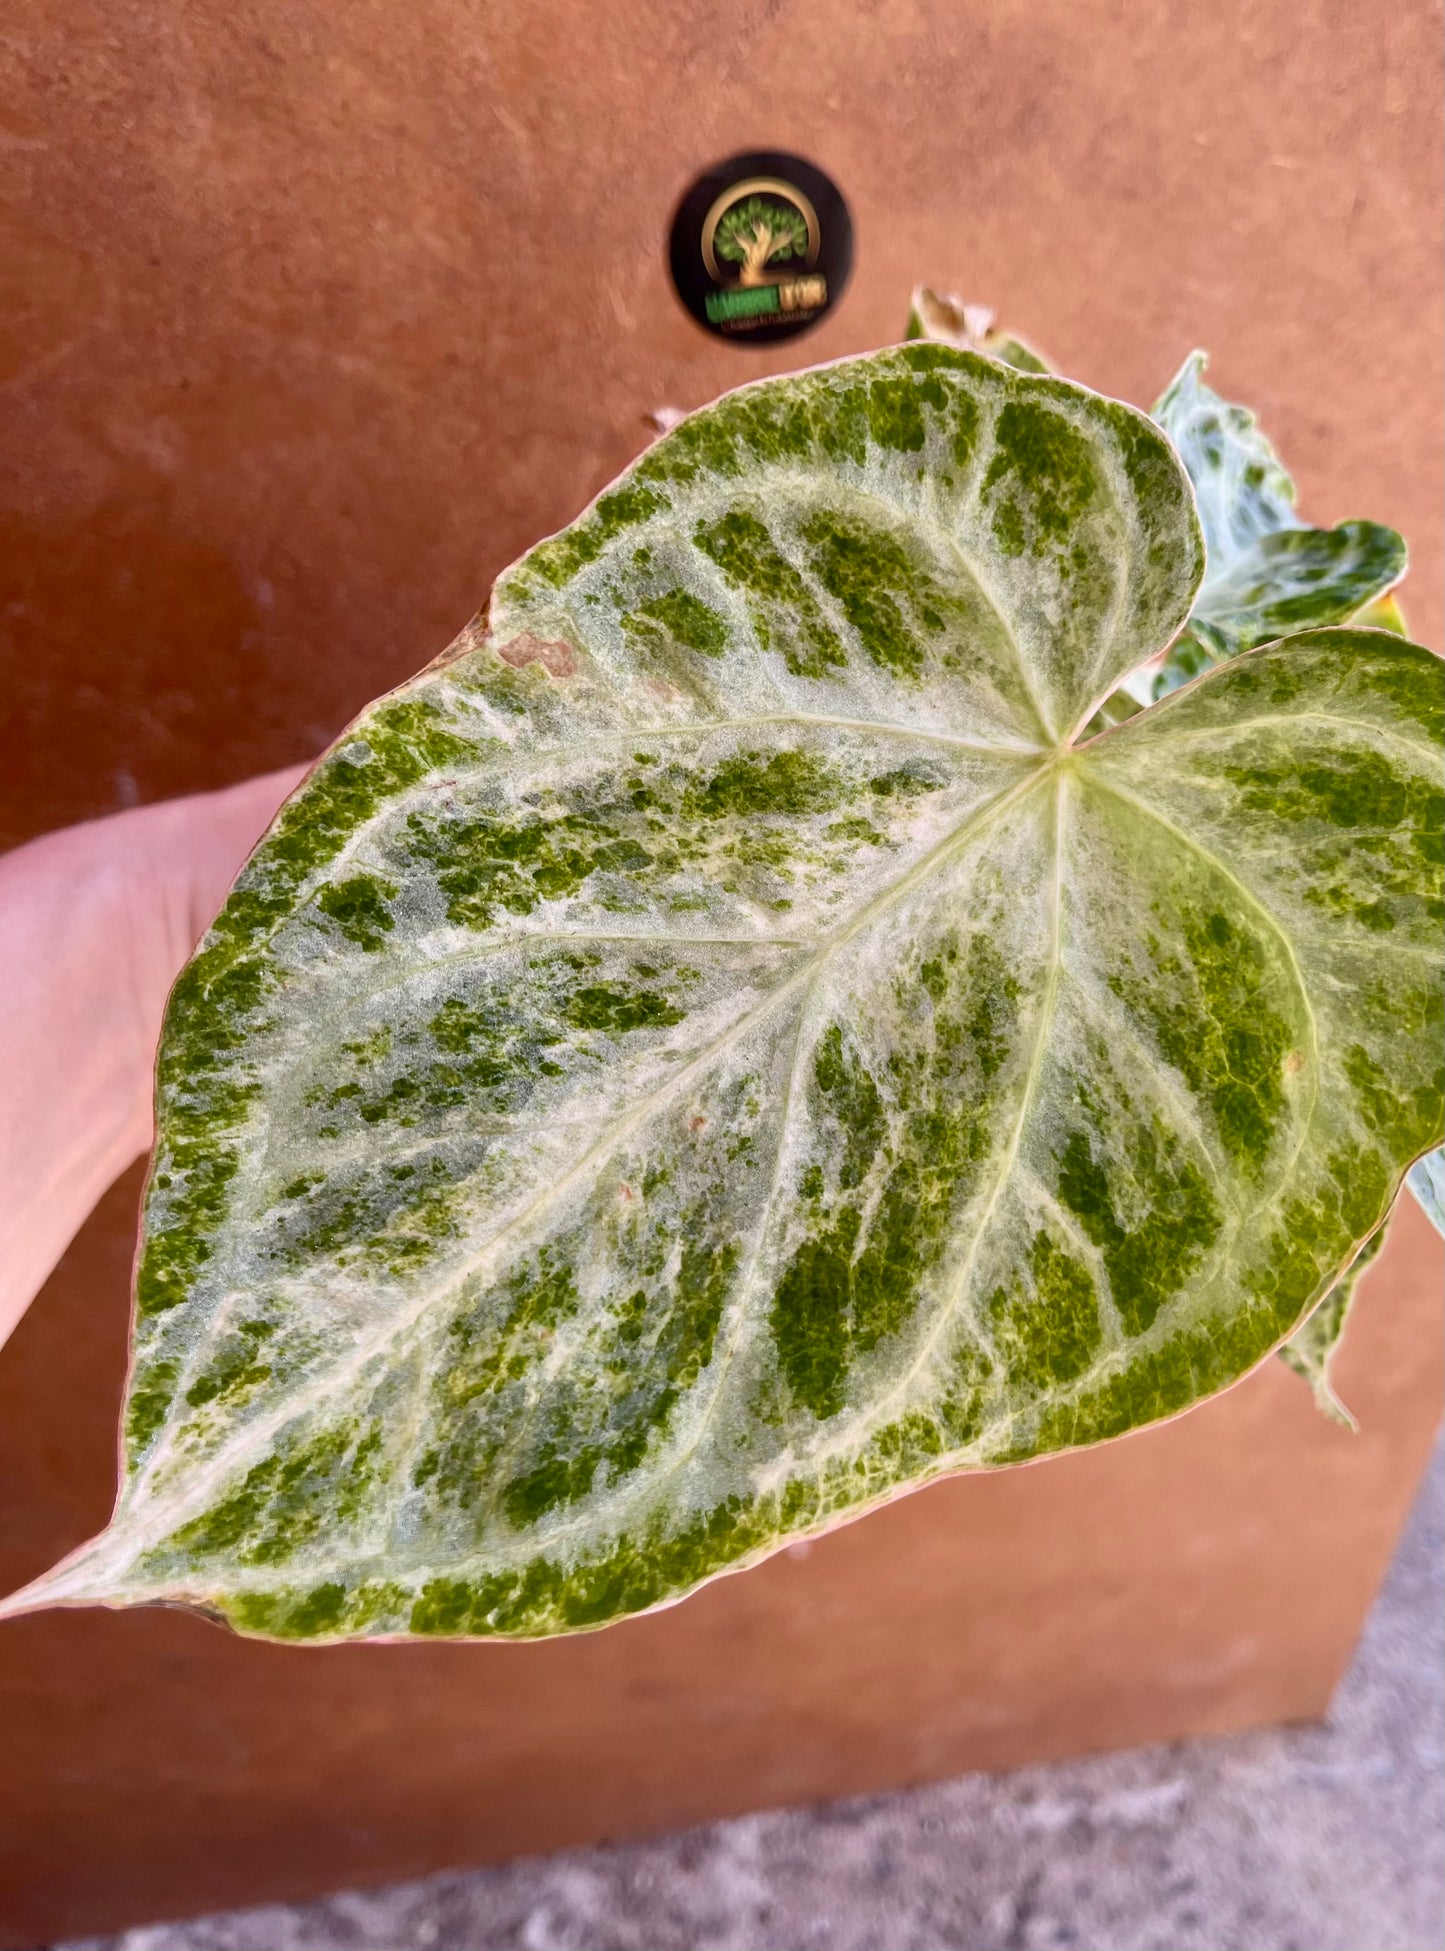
x=764, y=228
x=759, y=232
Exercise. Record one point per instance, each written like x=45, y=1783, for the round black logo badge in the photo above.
x=761, y=247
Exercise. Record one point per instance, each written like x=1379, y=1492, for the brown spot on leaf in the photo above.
x=556, y=659
x=1294, y=1061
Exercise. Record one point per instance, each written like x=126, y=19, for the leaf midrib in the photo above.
x=165, y=1514
x=420, y=793
x=528, y=758
x=1281, y=1179
x=337, y=1378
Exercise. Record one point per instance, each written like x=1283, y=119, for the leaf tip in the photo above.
x=84, y=1577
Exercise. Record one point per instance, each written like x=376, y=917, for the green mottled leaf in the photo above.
x=1427, y=1182
x=1268, y=573
x=1240, y=484
x=717, y=1049
x=1310, y=1350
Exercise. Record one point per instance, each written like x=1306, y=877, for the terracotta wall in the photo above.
x=316, y=315
x=312, y=316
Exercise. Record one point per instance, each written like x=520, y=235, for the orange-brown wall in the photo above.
x=314, y=315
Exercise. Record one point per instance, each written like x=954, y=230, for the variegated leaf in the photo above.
x=1311, y=1349
x=717, y=1049
x=1268, y=572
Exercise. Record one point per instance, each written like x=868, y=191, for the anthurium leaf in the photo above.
x=714, y=1051
x=1311, y=1349
x=1294, y=578
x=1268, y=572
x=1240, y=484
x=1427, y=1182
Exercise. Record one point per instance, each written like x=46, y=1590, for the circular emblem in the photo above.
x=761, y=247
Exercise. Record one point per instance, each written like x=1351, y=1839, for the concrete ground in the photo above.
x=1323, y=1838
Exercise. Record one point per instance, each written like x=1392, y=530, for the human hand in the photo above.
x=96, y=922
